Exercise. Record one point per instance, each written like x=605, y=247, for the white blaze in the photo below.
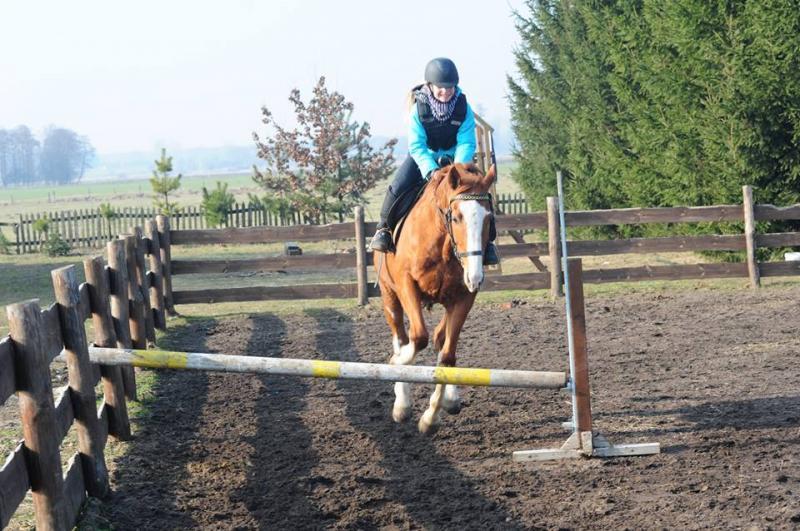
x=473, y=213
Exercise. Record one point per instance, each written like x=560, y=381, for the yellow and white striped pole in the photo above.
x=165, y=359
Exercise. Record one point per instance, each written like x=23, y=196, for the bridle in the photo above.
x=447, y=217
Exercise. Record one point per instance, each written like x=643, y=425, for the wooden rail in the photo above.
x=513, y=224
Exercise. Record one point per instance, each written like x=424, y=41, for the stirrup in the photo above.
x=381, y=241
x=491, y=257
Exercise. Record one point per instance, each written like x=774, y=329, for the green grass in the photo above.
x=137, y=193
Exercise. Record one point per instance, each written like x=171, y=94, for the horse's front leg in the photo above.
x=447, y=395
x=451, y=402
x=417, y=340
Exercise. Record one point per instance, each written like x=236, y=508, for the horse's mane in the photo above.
x=470, y=179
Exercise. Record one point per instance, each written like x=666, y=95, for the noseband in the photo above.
x=447, y=217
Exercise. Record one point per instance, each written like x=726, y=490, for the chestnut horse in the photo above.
x=438, y=259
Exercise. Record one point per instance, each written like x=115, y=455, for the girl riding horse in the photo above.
x=442, y=131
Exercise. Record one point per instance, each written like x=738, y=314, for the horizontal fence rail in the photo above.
x=516, y=223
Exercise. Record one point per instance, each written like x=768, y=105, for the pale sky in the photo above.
x=136, y=75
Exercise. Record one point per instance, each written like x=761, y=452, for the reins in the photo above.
x=447, y=217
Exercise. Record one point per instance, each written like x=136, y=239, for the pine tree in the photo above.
x=163, y=184
x=217, y=204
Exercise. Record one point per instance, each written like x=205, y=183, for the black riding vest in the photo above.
x=441, y=135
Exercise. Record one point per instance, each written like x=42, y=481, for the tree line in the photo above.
x=61, y=157
x=658, y=102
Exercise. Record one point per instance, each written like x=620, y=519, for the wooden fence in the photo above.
x=88, y=229
x=546, y=221
x=127, y=301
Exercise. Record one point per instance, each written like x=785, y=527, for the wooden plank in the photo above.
x=750, y=236
x=65, y=415
x=51, y=333
x=523, y=281
x=7, y=382
x=779, y=269
x=260, y=293
x=143, y=284
x=80, y=392
x=553, y=246
x=623, y=216
x=120, y=307
x=778, y=239
x=262, y=234
x=14, y=484
x=673, y=272
x=104, y=335
x=74, y=489
x=277, y=263
x=771, y=212
x=156, y=274
x=162, y=222
x=37, y=413
x=536, y=220
x=719, y=242
x=361, y=257
x=580, y=362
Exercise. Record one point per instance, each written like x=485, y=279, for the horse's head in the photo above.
x=463, y=199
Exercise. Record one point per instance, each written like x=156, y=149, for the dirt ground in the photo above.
x=711, y=375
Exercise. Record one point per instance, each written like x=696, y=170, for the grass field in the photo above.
x=137, y=193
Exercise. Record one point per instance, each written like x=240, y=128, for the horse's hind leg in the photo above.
x=393, y=311
x=455, y=315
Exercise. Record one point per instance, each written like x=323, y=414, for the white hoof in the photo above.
x=428, y=423
x=454, y=407
x=451, y=401
x=401, y=414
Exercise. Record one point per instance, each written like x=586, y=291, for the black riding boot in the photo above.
x=382, y=241
x=491, y=257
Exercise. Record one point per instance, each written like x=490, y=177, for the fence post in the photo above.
x=361, y=257
x=750, y=236
x=580, y=378
x=37, y=412
x=136, y=301
x=166, y=261
x=16, y=236
x=143, y=285
x=81, y=382
x=118, y=283
x=156, y=275
x=554, y=247
x=104, y=336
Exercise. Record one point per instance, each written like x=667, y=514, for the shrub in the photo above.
x=4, y=244
x=56, y=245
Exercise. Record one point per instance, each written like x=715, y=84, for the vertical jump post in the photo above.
x=583, y=442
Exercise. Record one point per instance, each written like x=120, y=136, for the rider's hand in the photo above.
x=445, y=160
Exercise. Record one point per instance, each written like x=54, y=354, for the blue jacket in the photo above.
x=425, y=158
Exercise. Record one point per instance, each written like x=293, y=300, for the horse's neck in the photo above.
x=432, y=233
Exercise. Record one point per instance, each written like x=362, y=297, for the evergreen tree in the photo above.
x=217, y=204
x=657, y=102
x=163, y=185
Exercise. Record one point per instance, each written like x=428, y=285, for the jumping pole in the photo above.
x=346, y=370
x=583, y=442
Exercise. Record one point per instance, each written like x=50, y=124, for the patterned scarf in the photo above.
x=441, y=110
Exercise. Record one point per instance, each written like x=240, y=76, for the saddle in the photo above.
x=402, y=207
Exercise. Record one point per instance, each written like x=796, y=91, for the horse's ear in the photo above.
x=453, y=177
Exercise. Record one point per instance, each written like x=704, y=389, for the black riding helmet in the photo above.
x=441, y=72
